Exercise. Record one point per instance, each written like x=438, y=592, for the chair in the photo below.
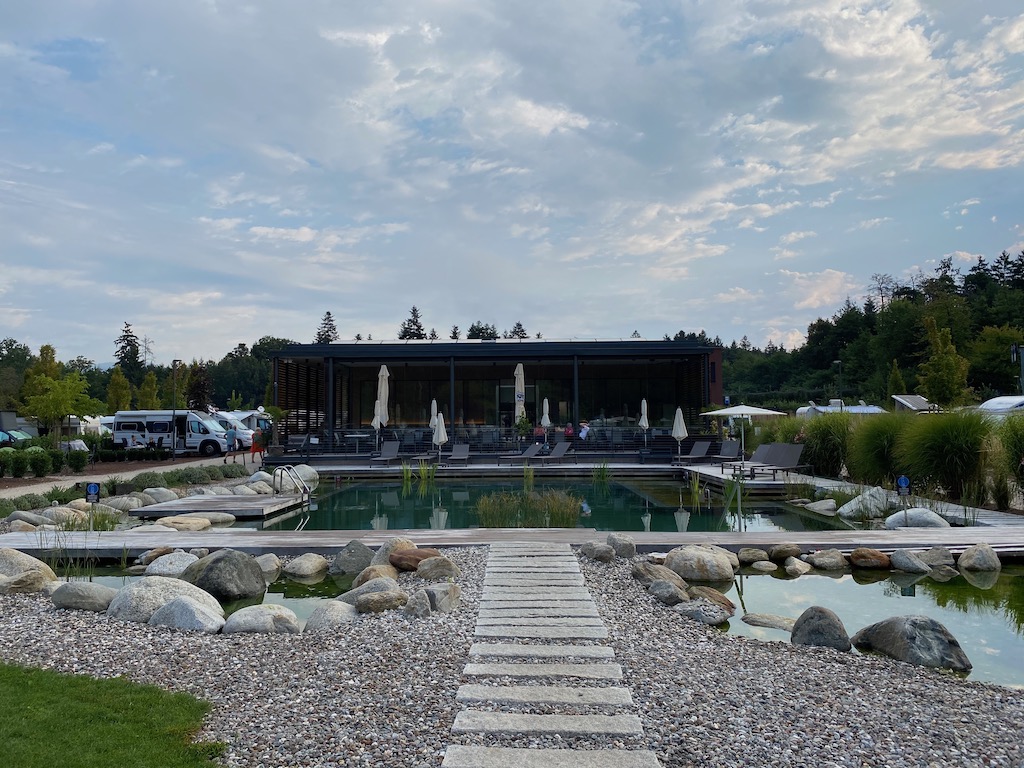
x=759, y=457
x=785, y=459
x=388, y=452
x=729, y=452
x=557, y=453
x=697, y=452
x=525, y=456
x=460, y=452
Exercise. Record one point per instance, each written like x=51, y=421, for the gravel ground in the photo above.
x=383, y=692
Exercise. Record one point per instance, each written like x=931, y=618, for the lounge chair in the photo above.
x=525, y=456
x=697, y=452
x=557, y=453
x=760, y=457
x=388, y=452
x=730, y=451
x=460, y=452
x=785, y=459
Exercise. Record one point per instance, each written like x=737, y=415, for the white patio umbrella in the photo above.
x=440, y=433
x=375, y=423
x=743, y=412
x=679, y=430
x=545, y=419
x=520, y=378
x=382, y=394
x=644, y=424
x=433, y=414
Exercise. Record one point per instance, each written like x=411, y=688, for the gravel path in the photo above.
x=383, y=692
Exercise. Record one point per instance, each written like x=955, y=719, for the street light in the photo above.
x=840, y=364
x=174, y=408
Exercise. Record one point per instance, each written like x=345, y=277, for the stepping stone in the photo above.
x=545, y=694
x=457, y=756
x=506, y=604
x=522, y=613
x=553, y=669
x=539, y=621
x=555, y=633
x=550, y=593
x=533, y=581
x=471, y=721
x=526, y=650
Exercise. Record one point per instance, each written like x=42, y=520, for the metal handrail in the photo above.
x=289, y=471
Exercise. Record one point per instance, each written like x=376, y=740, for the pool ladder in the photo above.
x=287, y=470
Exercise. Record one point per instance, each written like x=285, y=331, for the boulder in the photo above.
x=172, y=564
x=144, y=497
x=713, y=595
x=139, y=600
x=261, y=488
x=228, y=575
x=418, y=604
x=13, y=563
x=124, y=503
x=244, y=490
x=936, y=556
x=764, y=566
x=704, y=611
x=907, y=561
x=150, y=555
x=161, y=495
x=599, y=551
x=916, y=640
x=916, y=517
x=699, y=562
x=383, y=554
x=374, y=585
x=943, y=573
x=64, y=516
x=734, y=561
x=219, y=490
x=186, y=613
x=32, y=518
x=409, y=559
x=781, y=552
x=980, y=557
x=647, y=573
x=308, y=475
x=307, y=565
x=870, y=505
x=261, y=477
x=270, y=564
x=667, y=592
x=624, y=546
x=329, y=616
x=267, y=618
x=444, y=598
x=20, y=526
x=827, y=560
x=352, y=558
x=825, y=507
x=796, y=567
x=378, y=602
x=981, y=579
x=820, y=627
x=751, y=555
x=865, y=557
x=438, y=569
x=769, y=620
x=215, y=518
x=183, y=523
x=371, y=572
x=32, y=580
x=199, y=551
x=83, y=596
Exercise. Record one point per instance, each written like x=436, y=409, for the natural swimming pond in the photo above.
x=627, y=505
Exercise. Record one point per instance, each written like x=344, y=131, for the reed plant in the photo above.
x=825, y=439
x=426, y=472
x=946, y=450
x=1011, y=438
x=871, y=453
x=601, y=473
x=511, y=509
x=527, y=479
x=785, y=429
x=406, y=474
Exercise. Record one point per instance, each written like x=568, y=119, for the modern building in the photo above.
x=329, y=390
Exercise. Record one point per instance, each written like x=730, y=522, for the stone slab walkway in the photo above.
x=534, y=591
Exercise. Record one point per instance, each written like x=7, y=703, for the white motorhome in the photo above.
x=258, y=419
x=227, y=421
x=196, y=432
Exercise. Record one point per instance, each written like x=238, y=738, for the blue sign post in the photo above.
x=903, y=485
x=92, y=493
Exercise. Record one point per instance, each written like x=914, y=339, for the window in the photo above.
x=159, y=427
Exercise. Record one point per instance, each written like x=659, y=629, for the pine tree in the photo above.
x=433, y=334
x=129, y=355
x=480, y=330
x=517, y=332
x=413, y=327
x=198, y=389
x=119, y=391
x=455, y=333
x=896, y=384
x=943, y=377
x=148, y=397
x=328, y=332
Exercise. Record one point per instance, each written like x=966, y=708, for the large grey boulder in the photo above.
x=378, y=602
x=624, y=546
x=260, y=477
x=371, y=572
x=915, y=517
x=936, y=556
x=699, y=562
x=820, y=627
x=172, y=564
x=780, y=553
x=267, y=618
x=228, y=575
x=330, y=616
x=383, y=554
x=438, y=569
x=270, y=564
x=751, y=555
x=826, y=507
x=307, y=565
x=907, y=561
x=597, y=550
x=827, y=560
x=916, y=640
x=83, y=596
x=770, y=620
x=139, y=600
x=418, y=605
x=124, y=503
x=13, y=562
x=26, y=581
x=648, y=573
x=704, y=611
x=374, y=585
x=33, y=518
x=243, y=490
x=352, y=558
x=667, y=592
x=980, y=557
x=870, y=505
x=796, y=567
x=185, y=613
x=161, y=495
x=444, y=598
x=185, y=523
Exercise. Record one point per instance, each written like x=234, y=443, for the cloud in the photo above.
x=813, y=290
x=873, y=223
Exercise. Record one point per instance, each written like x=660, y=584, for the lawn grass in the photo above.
x=71, y=720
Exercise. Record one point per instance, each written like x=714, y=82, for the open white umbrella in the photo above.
x=440, y=433
x=644, y=424
x=520, y=379
x=545, y=419
x=433, y=414
x=743, y=412
x=679, y=430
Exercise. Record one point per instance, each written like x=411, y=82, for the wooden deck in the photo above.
x=242, y=507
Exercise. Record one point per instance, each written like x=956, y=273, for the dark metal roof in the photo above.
x=500, y=349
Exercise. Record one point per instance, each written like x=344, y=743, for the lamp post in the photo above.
x=840, y=364
x=174, y=408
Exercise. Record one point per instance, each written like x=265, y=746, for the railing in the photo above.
x=287, y=470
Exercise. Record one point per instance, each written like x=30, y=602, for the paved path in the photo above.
x=536, y=592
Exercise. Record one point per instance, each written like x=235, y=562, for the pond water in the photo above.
x=634, y=505
x=986, y=617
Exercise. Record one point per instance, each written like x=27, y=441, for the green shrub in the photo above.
x=780, y=430
x=34, y=449
x=40, y=463
x=212, y=473
x=77, y=460
x=6, y=461
x=1000, y=489
x=145, y=480
x=110, y=485
x=825, y=439
x=30, y=501
x=62, y=494
x=871, y=449
x=192, y=476
x=1011, y=436
x=6, y=507
x=56, y=460
x=235, y=470
x=947, y=450
x=19, y=463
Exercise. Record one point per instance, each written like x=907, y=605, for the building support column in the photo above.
x=576, y=389
x=451, y=390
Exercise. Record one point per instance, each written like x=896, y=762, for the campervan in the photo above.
x=258, y=419
x=227, y=421
x=196, y=432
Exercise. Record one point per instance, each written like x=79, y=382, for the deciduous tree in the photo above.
x=119, y=391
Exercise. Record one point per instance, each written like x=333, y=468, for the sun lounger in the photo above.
x=557, y=453
x=388, y=453
x=525, y=456
x=760, y=457
x=460, y=452
x=730, y=452
x=697, y=452
x=785, y=459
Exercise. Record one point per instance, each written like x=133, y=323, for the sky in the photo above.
x=215, y=172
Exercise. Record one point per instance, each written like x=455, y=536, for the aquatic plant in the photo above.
x=547, y=509
x=601, y=473
x=871, y=452
x=946, y=450
x=1011, y=438
x=527, y=478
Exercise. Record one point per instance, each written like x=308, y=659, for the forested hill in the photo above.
x=884, y=346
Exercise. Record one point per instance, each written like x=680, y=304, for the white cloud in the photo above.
x=795, y=237
x=813, y=290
